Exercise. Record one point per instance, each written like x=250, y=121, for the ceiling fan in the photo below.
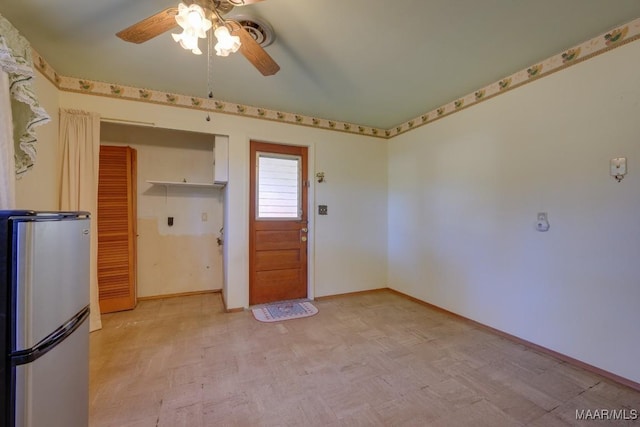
x=197, y=17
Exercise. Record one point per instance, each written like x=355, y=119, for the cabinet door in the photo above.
x=117, y=229
x=221, y=159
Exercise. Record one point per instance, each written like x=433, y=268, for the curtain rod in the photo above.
x=136, y=122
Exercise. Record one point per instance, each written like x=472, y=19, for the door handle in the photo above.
x=303, y=230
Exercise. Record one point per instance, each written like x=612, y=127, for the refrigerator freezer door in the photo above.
x=53, y=391
x=52, y=277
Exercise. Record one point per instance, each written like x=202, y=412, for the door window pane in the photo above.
x=278, y=186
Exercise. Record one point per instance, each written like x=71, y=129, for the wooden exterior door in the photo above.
x=117, y=229
x=278, y=223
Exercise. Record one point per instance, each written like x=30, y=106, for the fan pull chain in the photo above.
x=209, y=69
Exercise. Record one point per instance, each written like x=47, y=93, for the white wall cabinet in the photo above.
x=221, y=160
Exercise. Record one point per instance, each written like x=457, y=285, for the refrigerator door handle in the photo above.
x=22, y=357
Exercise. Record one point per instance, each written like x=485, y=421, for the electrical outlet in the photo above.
x=322, y=210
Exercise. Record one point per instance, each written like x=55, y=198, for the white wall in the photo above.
x=347, y=248
x=38, y=188
x=353, y=236
x=463, y=196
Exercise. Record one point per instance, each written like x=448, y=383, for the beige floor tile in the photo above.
x=373, y=359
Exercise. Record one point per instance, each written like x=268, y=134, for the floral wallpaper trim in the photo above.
x=71, y=84
x=620, y=36
x=617, y=37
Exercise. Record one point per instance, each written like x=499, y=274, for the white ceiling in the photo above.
x=369, y=62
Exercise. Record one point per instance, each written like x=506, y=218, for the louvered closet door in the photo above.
x=116, y=229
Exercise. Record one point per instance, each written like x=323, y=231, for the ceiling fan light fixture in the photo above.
x=226, y=42
x=195, y=25
x=187, y=41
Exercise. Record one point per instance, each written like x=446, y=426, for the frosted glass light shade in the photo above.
x=187, y=41
x=226, y=42
x=195, y=25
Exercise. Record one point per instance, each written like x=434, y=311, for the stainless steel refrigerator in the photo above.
x=44, y=327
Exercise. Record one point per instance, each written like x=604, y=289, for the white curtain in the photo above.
x=7, y=164
x=20, y=111
x=79, y=151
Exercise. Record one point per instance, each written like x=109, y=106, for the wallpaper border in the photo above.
x=605, y=42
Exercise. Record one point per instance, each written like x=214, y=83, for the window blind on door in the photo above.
x=279, y=185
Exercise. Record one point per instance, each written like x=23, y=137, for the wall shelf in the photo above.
x=186, y=184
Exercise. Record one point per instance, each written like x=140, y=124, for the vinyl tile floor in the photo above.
x=371, y=359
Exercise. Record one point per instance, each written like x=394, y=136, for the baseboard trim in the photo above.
x=180, y=294
x=587, y=367
x=224, y=304
x=347, y=294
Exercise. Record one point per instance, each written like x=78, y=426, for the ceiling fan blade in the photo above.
x=150, y=27
x=253, y=51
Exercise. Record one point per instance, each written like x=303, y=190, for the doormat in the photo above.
x=284, y=311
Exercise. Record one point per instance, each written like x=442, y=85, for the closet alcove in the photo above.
x=160, y=213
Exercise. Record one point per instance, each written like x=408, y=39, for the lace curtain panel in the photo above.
x=16, y=61
x=7, y=165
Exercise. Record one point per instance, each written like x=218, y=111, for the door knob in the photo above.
x=303, y=238
x=304, y=230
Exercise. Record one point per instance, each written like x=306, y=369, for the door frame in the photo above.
x=310, y=210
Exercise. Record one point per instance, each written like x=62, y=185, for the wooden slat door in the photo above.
x=117, y=229
x=278, y=240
